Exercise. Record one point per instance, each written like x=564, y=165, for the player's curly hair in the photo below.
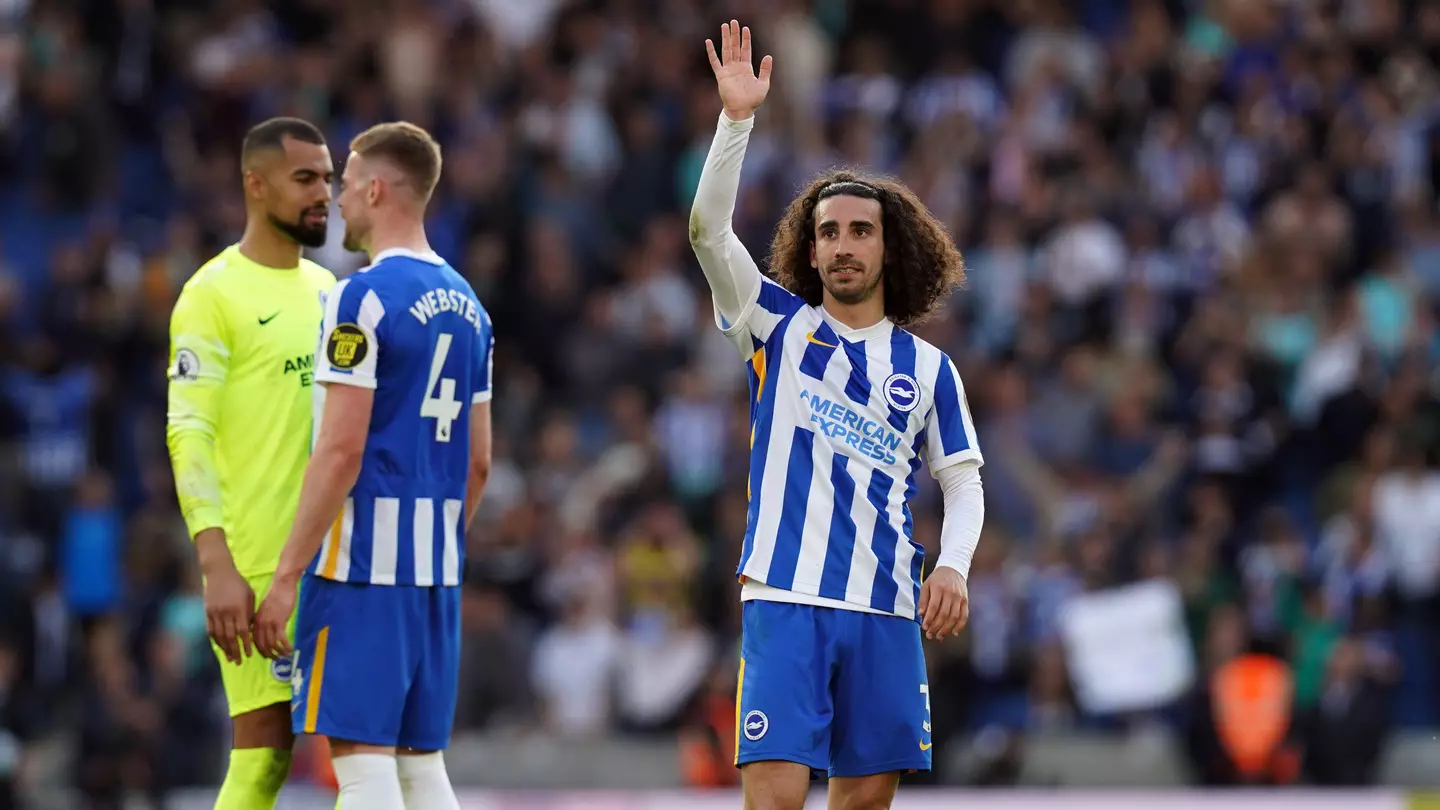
x=922, y=265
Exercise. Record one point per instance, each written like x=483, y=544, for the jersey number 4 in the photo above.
x=443, y=407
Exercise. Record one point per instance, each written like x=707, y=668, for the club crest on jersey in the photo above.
x=346, y=347
x=283, y=669
x=187, y=366
x=756, y=724
x=902, y=392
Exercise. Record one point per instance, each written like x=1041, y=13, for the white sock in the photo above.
x=369, y=782
x=425, y=783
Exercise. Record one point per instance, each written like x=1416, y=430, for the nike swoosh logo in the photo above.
x=264, y=321
x=925, y=746
x=811, y=337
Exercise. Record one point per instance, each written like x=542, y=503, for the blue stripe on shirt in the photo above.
x=857, y=388
x=761, y=420
x=840, y=548
x=902, y=360
x=798, y=475
x=949, y=413
x=883, y=543
x=912, y=487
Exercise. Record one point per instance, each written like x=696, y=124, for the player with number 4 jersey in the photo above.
x=402, y=449
x=415, y=315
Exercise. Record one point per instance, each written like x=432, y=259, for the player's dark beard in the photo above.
x=311, y=236
x=850, y=297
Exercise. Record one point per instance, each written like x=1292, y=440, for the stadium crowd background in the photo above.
x=1199, y=338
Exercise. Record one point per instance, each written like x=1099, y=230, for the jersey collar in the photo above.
x=871, y=332
x=404, y=253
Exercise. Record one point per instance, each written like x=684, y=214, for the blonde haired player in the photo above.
x=402, y=451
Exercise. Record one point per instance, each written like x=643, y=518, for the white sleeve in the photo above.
x=950, y=436
x=349, y=349
x=747, y=305
x=964, y=515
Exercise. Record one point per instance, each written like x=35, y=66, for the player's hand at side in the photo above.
x=944, y=604
x=229, y=606
x=742, y=90
x=272, y=620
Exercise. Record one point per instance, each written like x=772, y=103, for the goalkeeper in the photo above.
x=242, y=344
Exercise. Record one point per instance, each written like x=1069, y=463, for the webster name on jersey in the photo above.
x=442, y=300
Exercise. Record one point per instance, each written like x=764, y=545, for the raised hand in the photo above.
x=741, y=89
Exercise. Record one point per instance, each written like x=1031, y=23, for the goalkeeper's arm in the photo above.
x=199, y=363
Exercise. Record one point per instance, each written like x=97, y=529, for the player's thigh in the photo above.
x=882, y=700
x=434, y=627
x=873, y=792
x=352, y=668
x=254, y=684
x=265, y=727
x=775, y=785
x=784, y=705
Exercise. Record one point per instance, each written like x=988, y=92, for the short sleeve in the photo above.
x=350, y=335
x=766, y=310
x=484, y=361
x=950, y=432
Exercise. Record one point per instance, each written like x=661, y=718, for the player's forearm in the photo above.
x=329, y=478
x=474, y=491
x=212, y=552
x=197, y=480
x=964, y=516
x=731, y=272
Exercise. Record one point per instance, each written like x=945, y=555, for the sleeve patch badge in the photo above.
x=346, y=347
x=187, y=366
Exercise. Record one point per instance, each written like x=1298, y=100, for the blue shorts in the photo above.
x=376, y=664
x=838, y=690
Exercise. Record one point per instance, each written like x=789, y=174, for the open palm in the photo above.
x=741, y=89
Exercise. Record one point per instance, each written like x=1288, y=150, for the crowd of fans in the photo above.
x=1198, y=337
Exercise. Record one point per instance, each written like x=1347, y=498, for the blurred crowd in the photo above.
x=1198, y=337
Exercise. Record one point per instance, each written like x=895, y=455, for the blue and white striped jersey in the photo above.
x=411, y=328
x=838, y=425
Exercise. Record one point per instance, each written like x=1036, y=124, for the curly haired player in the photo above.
x=844, y=404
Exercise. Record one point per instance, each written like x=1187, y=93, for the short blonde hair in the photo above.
x=410, y=148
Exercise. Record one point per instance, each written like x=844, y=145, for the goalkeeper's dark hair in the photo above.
x=922, y=265
x=271, y=134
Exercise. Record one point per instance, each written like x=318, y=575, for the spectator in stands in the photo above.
x=1343, y=733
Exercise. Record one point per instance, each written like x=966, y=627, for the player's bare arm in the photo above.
x=334, y=467
x=480, y=454
x=731, y=272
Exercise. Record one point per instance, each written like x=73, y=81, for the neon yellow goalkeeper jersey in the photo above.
x=242, y=359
